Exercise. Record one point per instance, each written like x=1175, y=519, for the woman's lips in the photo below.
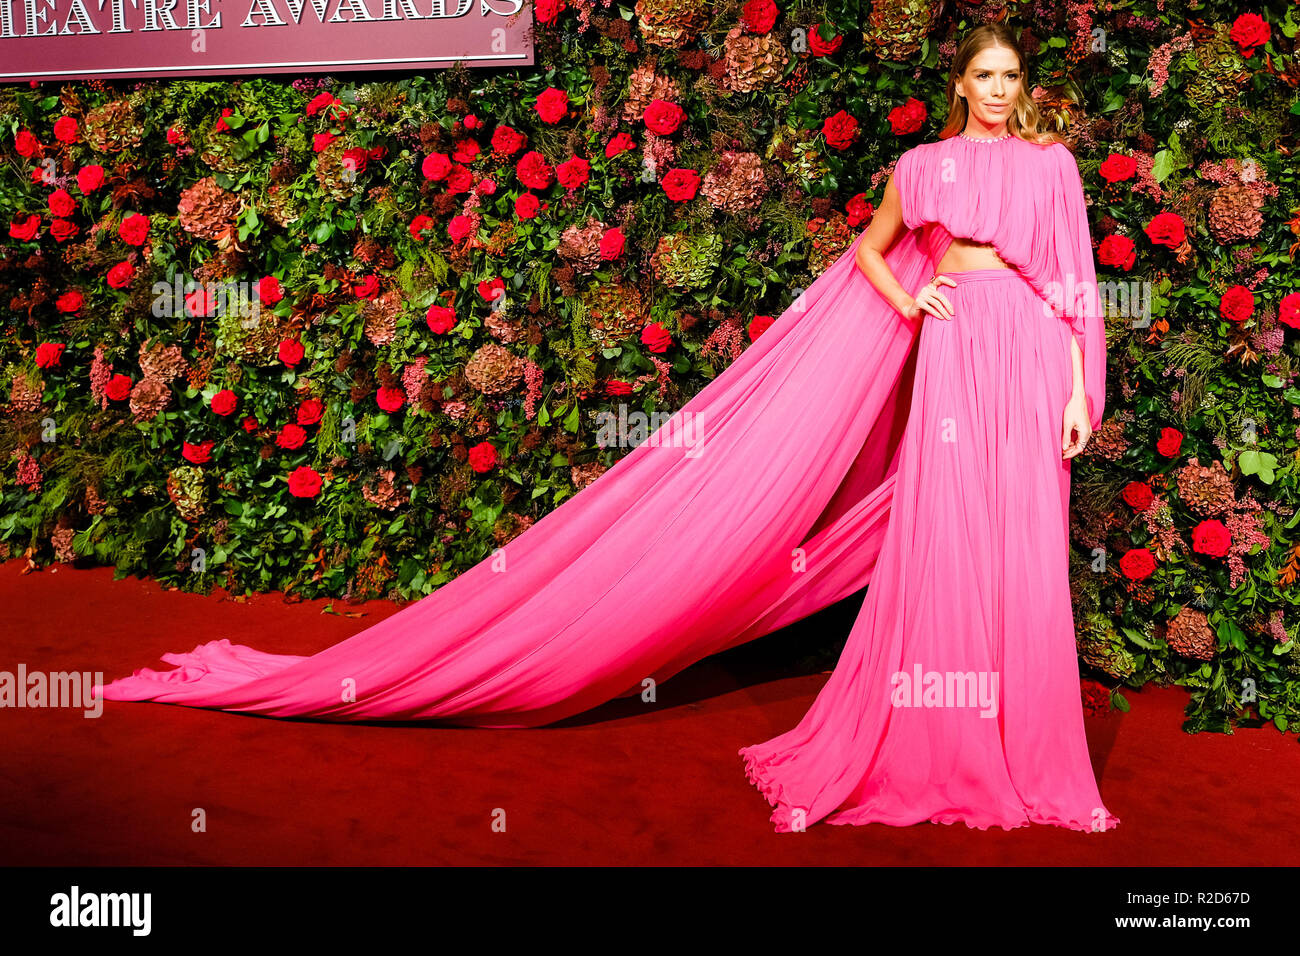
x=995, y=107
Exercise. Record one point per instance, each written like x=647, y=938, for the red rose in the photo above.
x=319, y=102
x=436, y=166
x=200, y=301
x=459, y=180
x=619, y=143
x=377, y=153
x=90, y=178
x=486, y=187
x=1171, y=440
x=840, y=130
x=1117, y=168
x=663, y=117
x=1138, y=564
x=249, y=424
x=175, y=137
x=120, y=276
x=25, y=144
x=1117, y=251
x=547, y=10
x=460, y=227
x=533, y=170
x=134, y=229
x=1211, y=537
x=467, y=151
x=291, y=352
x=304, y=482
x=552, y=105
x=62, y=203
x=268, y=290
x=506, y=141
x=491, y=290
x=419, y=225
x=310, y=411
x=321, y=141
x=1288, y=310
x=441, y=318
x=656, y=338
x=1249, y=31
x=859, y=210
x=612, y=244
x=199, y=454
x=1237, y=304
x=291, y=436
x=49, y=354
x=368, y=289
x=758, y=325
x=482, y=457
x=681, y=184
x=25, y=231
x=63, y=230
x=907, y=118
x=526, y=206
x=224, y=402
x=819, y=47
x=1095, y=697
x=390, y=399
x=573, y=173
x=354, y=159
x=758, y=16
x=70, y=301
x=221, y=126
x=65, y=129
x=118, y=388
x=1166, y=229
x=1138, y=495
x=615, y=387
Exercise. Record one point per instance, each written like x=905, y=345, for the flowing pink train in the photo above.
x=832, y=454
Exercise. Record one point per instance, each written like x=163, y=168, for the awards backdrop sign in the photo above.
x=110, y=39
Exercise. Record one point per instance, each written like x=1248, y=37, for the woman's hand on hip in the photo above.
x=931, y=301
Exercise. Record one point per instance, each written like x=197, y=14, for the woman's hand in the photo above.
x=931, y=301
x=1075, y=423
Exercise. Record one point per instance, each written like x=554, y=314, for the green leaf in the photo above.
x=1162, y=166
x=572, y=419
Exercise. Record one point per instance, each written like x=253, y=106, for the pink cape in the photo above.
x=752, y=508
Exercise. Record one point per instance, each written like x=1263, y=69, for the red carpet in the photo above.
x=631, y=782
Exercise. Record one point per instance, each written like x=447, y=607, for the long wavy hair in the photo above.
x=1024, y=121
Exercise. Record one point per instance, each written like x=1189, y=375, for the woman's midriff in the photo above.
x=963, y=255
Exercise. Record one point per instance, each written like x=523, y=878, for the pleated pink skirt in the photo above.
x=956, y=697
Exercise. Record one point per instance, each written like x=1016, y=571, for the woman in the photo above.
x=957, y=694
x=767, y=497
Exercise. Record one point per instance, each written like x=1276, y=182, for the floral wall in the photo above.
x=345, y=335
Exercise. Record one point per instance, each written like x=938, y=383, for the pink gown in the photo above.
x=830, y=455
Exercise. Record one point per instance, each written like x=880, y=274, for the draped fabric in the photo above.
x=747, y=510
x=765, y=498
x=1027, y=200
x=956, y=697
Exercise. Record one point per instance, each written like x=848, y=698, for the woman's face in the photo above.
x=990, y=85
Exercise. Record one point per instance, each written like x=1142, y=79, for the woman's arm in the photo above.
x=886, y=226
x=1076, y=357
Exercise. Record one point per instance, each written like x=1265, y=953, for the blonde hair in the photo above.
x=1024, y=121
